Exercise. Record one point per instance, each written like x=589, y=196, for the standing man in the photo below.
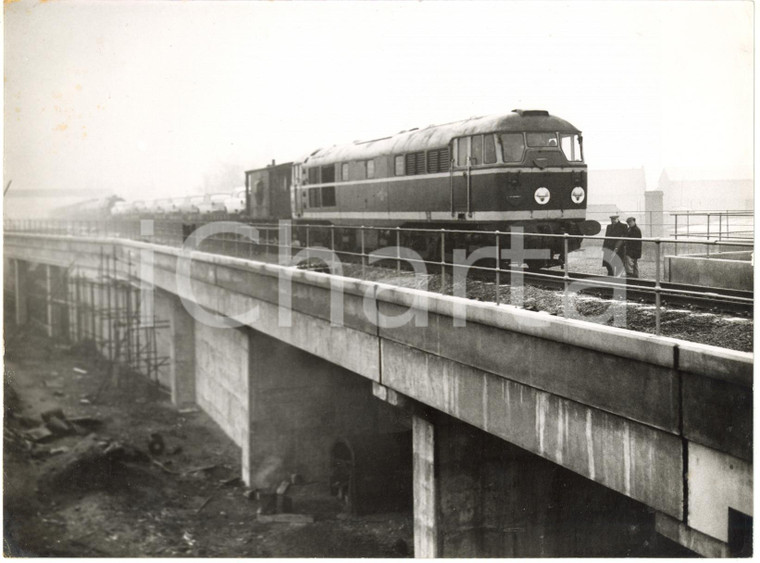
x=633, y=249
x=613, y=249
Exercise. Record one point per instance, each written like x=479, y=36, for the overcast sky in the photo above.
x=156, y=98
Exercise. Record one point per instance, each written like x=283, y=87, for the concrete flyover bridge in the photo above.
x=531, y=435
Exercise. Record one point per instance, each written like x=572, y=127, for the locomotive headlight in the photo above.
x=578, y=194
x=542, y=196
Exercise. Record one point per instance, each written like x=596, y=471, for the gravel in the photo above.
x=694, y=325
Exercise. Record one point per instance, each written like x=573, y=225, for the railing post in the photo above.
x=308, y=243
x=363, y=249
x=657, y=287
x=708, y=226
x=249, y=244
x=443, y=261
x=566, y=276
x=675, y=234
x=720, y=226
x=498, y=268
x=332, y=248
x=398, y=249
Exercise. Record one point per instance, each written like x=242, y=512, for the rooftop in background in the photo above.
x=701, y=189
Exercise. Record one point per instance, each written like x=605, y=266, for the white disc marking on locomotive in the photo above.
x=542, y=195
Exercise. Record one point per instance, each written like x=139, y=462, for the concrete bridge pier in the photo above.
x=284, y=407
x=299, y=406
x=21, y=290
x=477, y=495
x=51, y=285
x=178, y=345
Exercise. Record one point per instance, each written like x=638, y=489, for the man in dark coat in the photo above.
x=613, y=249
x=632, y=249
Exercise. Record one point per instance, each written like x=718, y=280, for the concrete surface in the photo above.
x=498, y=500
x=717, y=482
x=426, y=490
x=221, y=379
x=700, y=543
x=711, y=272
x=636, y=460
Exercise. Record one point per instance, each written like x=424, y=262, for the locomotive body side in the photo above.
x=522, y=169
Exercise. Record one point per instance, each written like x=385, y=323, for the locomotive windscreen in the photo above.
x=571, y=146
x=542, y=139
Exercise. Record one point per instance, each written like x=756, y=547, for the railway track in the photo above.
x=688, y=296
x=642, y=290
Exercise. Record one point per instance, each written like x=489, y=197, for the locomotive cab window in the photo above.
x=461, y=151
x=481, y=149
x=369, y=168
x=344, y=171
x=512, y=146
x=571, y=146
x=542, y=139
x=476, y=149
x=489, y=149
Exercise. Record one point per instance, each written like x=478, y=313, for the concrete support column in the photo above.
x=479, y=496
x=182, y=354
x=426, y=543
x=21, y=283
x=221, y=379
x=49, y=300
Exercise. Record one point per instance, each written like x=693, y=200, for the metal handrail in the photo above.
x=170, y=232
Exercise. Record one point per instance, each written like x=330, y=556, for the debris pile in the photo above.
x=93, y=462
x=275, y=505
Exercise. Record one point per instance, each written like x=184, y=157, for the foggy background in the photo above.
x=158, y=99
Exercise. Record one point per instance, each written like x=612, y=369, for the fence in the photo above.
x=437, y=259
x=722, y=225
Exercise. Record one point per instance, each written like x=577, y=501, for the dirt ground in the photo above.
x=189, y=505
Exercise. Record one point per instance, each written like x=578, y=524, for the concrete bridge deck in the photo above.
x=665, y=422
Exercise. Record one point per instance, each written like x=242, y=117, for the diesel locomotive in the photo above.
x=521, y=170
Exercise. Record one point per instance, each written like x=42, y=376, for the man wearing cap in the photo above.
x=613, y=251
x=632, y=249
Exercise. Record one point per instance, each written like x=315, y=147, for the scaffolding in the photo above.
x=107, y=313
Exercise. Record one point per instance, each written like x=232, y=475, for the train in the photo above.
x=522, y=169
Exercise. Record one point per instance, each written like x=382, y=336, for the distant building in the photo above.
x=695, y=190
x=624, y=192
x=623, y=189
